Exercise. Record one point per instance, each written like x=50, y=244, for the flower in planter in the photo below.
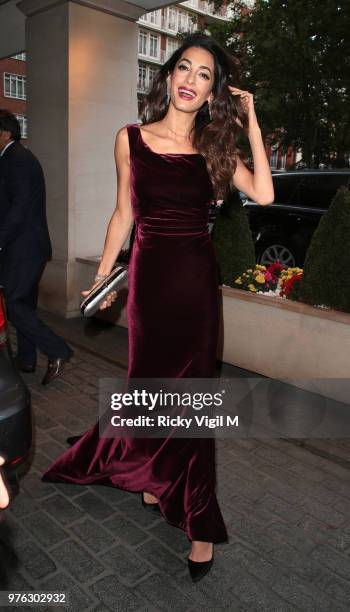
x=272, y=280
x=290, y=287
x=259, y=280
x=275, y=269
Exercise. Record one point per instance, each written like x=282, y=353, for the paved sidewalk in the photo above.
x=287, y=511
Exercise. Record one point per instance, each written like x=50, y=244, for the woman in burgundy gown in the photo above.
x=173, y=296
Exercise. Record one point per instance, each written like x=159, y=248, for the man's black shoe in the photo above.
x=55, y=368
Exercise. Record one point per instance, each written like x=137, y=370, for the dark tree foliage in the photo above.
x=295, y=57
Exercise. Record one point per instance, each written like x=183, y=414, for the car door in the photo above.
x=273, y=227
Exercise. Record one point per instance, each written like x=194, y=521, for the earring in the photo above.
x=167, y=97
x=209, y=110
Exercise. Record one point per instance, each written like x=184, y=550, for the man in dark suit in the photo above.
x=25, y=248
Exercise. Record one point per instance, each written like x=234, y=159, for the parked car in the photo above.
x=15, y=409
x=282, y=231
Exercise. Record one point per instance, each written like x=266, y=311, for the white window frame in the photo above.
x=153, y=38
x=172, y=11
x=283, y=161
x=182, y=21
x=142, y=81
x=155, y=17
x=274, y=157
x=142, y=42
x=151, y=70
x=144, y=84
x=146, y=47
x=171, y=45
x=24, y=125
x=19, y=56
x=17, y=77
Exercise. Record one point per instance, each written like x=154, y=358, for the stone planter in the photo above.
x=270, y=336
x=283, y=339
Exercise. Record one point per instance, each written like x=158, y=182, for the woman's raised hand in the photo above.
x=248, y=104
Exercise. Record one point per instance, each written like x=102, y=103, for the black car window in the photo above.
x=285, y=188
x=318, y=191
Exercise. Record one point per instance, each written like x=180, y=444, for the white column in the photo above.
x=82, y=76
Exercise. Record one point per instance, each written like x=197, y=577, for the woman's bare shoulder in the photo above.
x=121, y=148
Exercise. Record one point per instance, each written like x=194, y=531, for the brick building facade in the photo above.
x=13, y=88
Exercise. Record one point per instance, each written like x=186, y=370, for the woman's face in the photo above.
x=193, y=72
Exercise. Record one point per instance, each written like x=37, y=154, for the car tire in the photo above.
x=276, y=249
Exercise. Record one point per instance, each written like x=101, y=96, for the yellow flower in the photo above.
x=251, y=287
x=238, y=281
x=260, y=278
x=249, y=270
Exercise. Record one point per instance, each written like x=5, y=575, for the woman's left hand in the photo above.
x=248, y=104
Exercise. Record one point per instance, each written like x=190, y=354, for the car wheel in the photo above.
x=275, y=251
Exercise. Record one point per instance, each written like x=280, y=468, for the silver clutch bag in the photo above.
x=114, y=281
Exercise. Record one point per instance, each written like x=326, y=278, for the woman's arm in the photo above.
x=257, y=185
x=122, y=217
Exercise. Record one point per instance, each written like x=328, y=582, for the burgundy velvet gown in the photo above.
x=173, y=318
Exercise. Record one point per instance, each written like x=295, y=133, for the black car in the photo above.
x=282, y=231
x=15, y=409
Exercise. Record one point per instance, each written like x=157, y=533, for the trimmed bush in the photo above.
x=326, y=277
x=232, y=240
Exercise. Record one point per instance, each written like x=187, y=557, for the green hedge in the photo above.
x=233, y=240
x=326, y=276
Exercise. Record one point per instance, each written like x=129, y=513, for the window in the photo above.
x=183, y=21
x=274, y=156
x=318, y=191
x=154, y=17
x=14, y=86
x=153, y=45
x=23, y=123
x=19, y=56
x=146, y=76
x=152, y=71
x=192, y=23
x=142, y=43
x=285, y=188
x=172, y=18
x=142, y=77
x=172, y=45
x=283, y=161
x=149, y=44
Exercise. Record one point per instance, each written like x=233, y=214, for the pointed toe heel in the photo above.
x=198, y=569
x=154, y=508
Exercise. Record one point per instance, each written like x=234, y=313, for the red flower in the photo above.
x=290, y=287
x=275, y=269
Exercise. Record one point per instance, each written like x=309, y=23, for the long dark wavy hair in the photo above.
x=215, y=138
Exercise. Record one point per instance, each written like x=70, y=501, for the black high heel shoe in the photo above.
x=198, y=569
x=73, y=439
x=150, y=507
